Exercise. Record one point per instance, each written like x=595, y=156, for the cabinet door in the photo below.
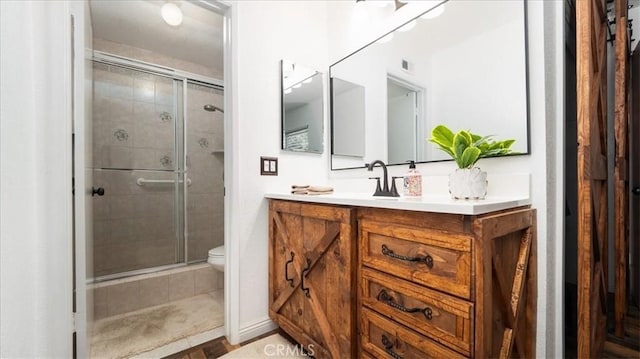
x=311, y=277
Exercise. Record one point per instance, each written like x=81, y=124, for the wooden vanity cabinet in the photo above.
x=409, y=285
x=311, y=276
x=434, y=285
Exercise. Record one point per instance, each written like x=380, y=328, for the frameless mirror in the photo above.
x=302, y=108
x=462, y=64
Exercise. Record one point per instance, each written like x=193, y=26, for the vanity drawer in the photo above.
x=382, y=338
x=433, y=258
x=443, y=318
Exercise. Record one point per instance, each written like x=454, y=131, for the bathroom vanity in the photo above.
x=351, y=276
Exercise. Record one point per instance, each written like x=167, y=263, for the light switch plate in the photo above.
x=268, y=166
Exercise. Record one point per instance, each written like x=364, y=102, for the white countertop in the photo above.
x=426, y=203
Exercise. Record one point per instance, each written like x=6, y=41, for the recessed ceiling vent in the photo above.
x=405, y=65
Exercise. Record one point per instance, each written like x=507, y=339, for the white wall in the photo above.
x=264, y=32
x=494, y=100
x=349, y=118
x=35, y=180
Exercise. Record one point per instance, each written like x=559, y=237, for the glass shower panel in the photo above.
x=205, y=163
x=137, y=223
x=135, y=115
x=134, y=224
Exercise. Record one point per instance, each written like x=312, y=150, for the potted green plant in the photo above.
x=468, y=181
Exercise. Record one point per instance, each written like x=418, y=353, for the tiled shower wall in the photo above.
x=135, y=226
x=120, y=296
x=155, y=58
x=205, y=163
x=133, y=119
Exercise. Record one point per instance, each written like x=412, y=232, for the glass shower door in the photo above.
x=205, y=163
x=138, y=222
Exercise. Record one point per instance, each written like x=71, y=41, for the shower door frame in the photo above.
x=181, y=171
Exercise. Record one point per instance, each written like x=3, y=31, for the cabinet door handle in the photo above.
x=387, y=299
x=427, y=259
x=286, y=270
x=388, y=347
x=305, y=271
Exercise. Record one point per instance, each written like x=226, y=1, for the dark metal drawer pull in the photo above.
x=305, y=271
x=383, y=296
x=286, y=270
x=388, y=347
x=426, y=259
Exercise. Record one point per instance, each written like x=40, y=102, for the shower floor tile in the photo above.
x=125, y=335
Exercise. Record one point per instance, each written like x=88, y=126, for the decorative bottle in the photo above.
x=412, y=181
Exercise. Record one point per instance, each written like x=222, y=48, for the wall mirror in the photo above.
x=462, y=64
x=302, y=108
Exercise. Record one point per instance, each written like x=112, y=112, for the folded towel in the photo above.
x=320, y=188
x=310, y=190
x=317, y=193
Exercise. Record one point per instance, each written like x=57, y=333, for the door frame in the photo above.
x=82, y=181
x=231, y=273
x=421, y=129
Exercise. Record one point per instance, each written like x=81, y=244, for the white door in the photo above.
x=82, y=173
x=401, y=123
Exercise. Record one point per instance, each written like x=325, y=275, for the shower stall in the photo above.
x=158, y=154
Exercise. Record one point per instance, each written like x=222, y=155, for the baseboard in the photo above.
x=256, y=329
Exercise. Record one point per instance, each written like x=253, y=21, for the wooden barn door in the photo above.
x=621, y=171
x=591, y=52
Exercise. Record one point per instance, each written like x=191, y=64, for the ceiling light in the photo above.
x=308, y=80
x=399, y=4
x=171, y=14
x=434, y=12
x=298, y=85
x=288, y=91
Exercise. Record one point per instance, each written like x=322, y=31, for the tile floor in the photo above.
x=160, y=330
x=220, y=346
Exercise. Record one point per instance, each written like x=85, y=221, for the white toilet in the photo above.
x=216, y=258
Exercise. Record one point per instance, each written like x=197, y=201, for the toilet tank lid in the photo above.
x=217, y=251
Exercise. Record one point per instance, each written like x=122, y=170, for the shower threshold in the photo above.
x=143, y=271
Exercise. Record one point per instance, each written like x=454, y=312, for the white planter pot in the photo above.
x=468, y=183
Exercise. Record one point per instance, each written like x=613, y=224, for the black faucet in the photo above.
x=384, y=191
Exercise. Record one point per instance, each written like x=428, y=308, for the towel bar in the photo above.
x=141, y=181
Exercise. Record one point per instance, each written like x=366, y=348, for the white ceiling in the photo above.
x=138, y=23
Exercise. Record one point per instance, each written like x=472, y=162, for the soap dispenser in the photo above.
x=412, y=181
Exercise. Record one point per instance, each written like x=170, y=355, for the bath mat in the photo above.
x=274, y=346
x=128, y=334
